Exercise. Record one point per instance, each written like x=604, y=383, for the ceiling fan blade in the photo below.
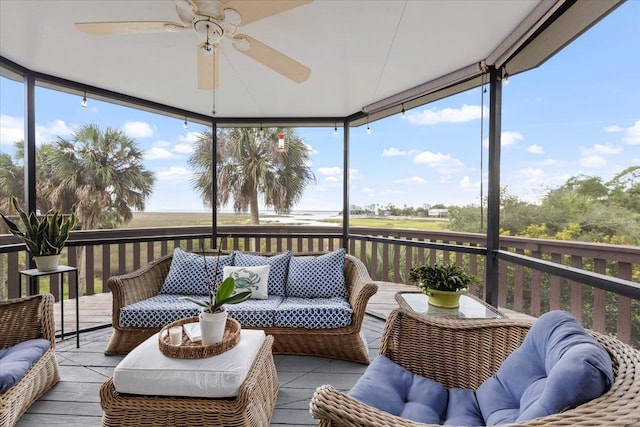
x=131, y=27
x=208, y=66
x=277, y=61
x=252, y=10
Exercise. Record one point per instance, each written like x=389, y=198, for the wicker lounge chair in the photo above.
x=22, y=319
x=341, y=343
x=440, y=349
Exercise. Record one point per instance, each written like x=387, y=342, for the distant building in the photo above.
x=438, y=213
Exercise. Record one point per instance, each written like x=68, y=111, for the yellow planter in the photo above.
x=444, y=299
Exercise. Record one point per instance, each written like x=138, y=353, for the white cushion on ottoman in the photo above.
x=145, y=370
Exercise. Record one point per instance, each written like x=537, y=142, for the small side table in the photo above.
x=470, y=307
x=34, y=274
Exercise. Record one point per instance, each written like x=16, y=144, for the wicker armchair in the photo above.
x=463, y=353
x=22, y=319
x=341, y=343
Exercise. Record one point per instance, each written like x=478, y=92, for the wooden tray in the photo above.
x=196, y=350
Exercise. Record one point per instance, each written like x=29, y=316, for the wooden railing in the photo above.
x=389, y=254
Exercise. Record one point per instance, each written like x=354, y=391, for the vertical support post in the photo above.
x=345, y=185
x=214, y=184
x=30, y=157
x=493, y=191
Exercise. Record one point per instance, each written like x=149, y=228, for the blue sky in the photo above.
x=579, y=113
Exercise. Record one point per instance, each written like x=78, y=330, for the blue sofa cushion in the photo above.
x=279, y=265
x=317, y=276
x=463, y=409
x=558, y=367
x=16, y=361
x=255, y=313
x=186, y=273
x=313, y=313
x=390, y=387
x=157, y=311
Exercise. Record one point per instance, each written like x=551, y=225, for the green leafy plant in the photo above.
x=45, y=235
x=218, y=295
x=441, y=277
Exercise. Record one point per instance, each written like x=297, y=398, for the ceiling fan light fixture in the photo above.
x=232, y=16
x=241, y=43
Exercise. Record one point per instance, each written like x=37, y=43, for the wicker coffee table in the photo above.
x=253, y=405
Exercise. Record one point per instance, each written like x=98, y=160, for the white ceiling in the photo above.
x=359, y=52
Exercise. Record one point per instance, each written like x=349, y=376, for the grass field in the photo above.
x=168, y=219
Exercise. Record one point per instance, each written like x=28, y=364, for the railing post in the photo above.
x=345, y=186
x=493, y=191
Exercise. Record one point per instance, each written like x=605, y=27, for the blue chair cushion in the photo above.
x=313, y=313
x=255, y=313
x=157, y=311
x=390, y=387
x=558, y=367
x=317, y=276
x=463, y=409
x=16, y=361
x=279, y=265
x=186, y=273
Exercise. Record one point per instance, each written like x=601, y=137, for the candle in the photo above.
x=175, y=335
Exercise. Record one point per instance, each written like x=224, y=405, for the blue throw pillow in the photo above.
x=279, y=265
x=317, y=276
x=559, y=366
x=186, y=273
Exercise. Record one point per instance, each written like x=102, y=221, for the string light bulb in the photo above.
x=335, y=129
x=403, y=115
x=368, y=128
x=83, y=104
x=186, y=125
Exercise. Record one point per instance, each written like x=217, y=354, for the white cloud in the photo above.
x=174, y=174
x=547, y=162
x=392, y=152
x=368, y=190
x=510, y=138
x=601, y=149
x=11, y=129
x=189, y=137
x=444, y=163
x=535, y=149
x=447, y=115
x=414, y=180
x=183, y=148
x=633, y=134
x=52, y=131
x=310, y=149
x=138, y=129
x=161, y=143
x=612, y=129
x=330, y=171
x=466, y=184
x=507, y=138
x=158, y=153
x=331, y=180
x=593, y=161
x=354, y=174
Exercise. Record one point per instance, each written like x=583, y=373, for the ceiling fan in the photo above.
x=212, y=20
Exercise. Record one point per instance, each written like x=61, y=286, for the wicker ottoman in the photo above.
x=253, y=406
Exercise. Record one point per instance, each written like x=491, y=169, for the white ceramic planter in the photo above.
x=212, y=326
x=47, y=262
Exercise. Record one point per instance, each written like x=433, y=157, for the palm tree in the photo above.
x=248, y=165
x=100, y=176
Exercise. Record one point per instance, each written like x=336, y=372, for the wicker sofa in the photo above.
x=346, y=342
x=23, y=319
x=467, y=353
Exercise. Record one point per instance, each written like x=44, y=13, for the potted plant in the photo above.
x=443, y=283
x=43, y=236
x=213, y=317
